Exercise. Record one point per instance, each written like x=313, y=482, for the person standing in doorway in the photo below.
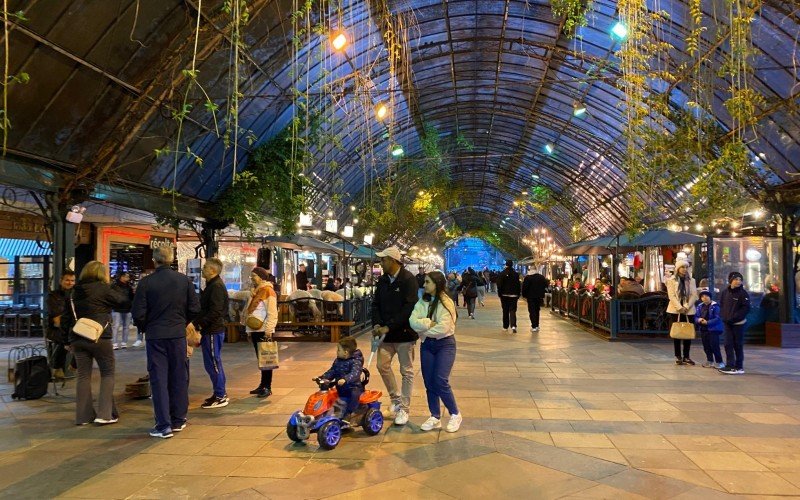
x=121, y=317
x=211, y=324
x=394, y=300
x=682, y=293
x=508, y=288
x=534, y=287
x=734, y=306
x=164, y=304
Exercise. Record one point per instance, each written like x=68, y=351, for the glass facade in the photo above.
x=474, y=253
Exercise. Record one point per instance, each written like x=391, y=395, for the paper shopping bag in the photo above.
x=268, y=355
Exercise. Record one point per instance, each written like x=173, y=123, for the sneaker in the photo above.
x=401, y=418
x=116, y=346
x=103, y=421
x=721, y=365
x=708, y=364
x=123, y=346
x=728, y=370
x=678, y=361
x=430, y=424
x=534, y=329
x=472, y=316
x=688, y=361
x=165, y=434
x=215, y=402
x=513, y=329
x=455, y=423
x=138, y=343
x=264, y=393
x=505, y=330
x=257, y=390
x=739, y=371
x=179, y=428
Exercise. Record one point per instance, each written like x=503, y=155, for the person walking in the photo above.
x=682, y=294
x=122, y=316
x=394, y=299
x=452, y=287
x=211, y=324
x=94, y=298
x=734, y=304
x=163, y=306
x=534, y=287
x=434, y=319
x=60, y=319
x=262, y=303
x=469, y=287
x=481, y=288
x=508, y=288
x=709, y=325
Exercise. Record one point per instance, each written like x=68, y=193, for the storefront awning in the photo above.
x=10, y=248
x=621, y=242
x=306, y=243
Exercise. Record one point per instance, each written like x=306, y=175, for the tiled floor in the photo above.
x=557, y=414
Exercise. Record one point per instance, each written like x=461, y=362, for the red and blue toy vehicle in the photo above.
x=322, y=416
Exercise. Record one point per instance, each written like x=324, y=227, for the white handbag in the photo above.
x=87, y=328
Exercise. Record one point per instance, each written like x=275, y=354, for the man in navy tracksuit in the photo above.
x=211, y=323
x=164, y=304
x=734, y=302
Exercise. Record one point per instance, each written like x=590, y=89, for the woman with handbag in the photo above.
x=682, y=293
x=260, y=316
x=90, y=339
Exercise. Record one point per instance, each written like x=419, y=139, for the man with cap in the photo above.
x=395, y=297
x=734, y=304
x=509, y=289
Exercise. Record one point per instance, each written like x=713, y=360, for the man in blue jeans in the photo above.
x=211, y=323
x=164, y=304
x=734, y=304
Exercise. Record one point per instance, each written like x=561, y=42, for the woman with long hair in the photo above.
x=434, y=319
x=682, y=293
x=94, y=298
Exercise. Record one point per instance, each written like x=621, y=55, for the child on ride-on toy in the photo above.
x=346, y=371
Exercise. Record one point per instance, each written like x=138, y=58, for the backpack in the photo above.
x=31, y=376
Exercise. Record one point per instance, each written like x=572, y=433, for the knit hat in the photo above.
x=681, y=263
x=735, y=274
x=705, y=292
x=260, y=272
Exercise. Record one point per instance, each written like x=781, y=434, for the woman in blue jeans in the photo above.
x=434, y=319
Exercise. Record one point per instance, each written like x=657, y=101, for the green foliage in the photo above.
x=271, y=184
x=541, y=198
x=573, y=11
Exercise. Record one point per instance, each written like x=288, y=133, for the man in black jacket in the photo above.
x=734, y=304
x=508, y=288
x=395, y=297
x=534, y=287
x=164, y=304
x=59, y=322
x=211, y=323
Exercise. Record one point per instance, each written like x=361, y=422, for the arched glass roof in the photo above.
x=499, y=73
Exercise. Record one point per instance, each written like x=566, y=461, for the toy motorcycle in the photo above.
x=323, y=416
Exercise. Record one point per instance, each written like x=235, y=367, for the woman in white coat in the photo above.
x=682, y=293
x=434, y=319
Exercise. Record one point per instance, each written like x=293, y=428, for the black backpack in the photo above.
x=31, y=377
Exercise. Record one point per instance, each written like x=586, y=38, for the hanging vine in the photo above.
x=9, y=79
x=574, y=13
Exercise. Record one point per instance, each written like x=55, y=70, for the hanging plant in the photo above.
x=574, y=13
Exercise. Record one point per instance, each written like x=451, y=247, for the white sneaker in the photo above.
x=430, y=424
x=513, y=329
x=123, y=346
x=534, y=330
x=138, y=343
x=116, y=346
x=401, y=418
x=455, y=423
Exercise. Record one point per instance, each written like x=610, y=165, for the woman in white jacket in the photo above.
x=682, y=293
x=262, y=303
x=434, y=319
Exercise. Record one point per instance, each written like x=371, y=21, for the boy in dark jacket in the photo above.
x=734, y=306
x=346, y=371
x=709, y=325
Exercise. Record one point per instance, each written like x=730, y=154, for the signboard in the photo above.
x=160, y=241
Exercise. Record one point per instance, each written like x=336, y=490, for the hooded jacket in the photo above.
x=348, y=369
x=734, y=304
x=710, y=313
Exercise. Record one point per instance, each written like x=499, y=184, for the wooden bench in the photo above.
x=335, y=326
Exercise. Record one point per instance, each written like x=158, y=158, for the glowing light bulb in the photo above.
x=339, y=41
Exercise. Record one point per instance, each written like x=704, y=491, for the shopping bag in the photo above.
x=268, y=354
x=682, y=330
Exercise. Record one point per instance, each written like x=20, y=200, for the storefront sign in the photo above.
x=160, y=241
x=21, y=226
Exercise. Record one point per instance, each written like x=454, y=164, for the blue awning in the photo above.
x=10, y=248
